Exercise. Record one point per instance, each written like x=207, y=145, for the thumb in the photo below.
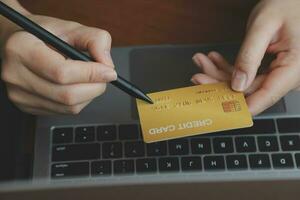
x=254, y=46
x=96, y=41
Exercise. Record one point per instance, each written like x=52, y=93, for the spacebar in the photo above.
x=76, y=152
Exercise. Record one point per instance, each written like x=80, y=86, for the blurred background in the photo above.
x=138, y=22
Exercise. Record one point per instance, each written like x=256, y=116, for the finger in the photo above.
x=280, y=46
x=283, y=59
x=96, y=41
x=278, y=83
x=25, y=99
x=209, y=67
x=198, y=79
x=64, y=94
x=74, y=94
x=220, y=62
x=256, y=84
x=254, y=46
x=49, y=64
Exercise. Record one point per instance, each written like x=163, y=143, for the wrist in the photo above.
x=6, y=26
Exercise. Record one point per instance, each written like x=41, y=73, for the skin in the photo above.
x=41, y=81
x=273, y=27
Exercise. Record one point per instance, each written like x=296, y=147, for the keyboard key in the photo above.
x=123, y=167
x=178, y=147
x=267, y=143
x=157, y=149
x=101, y=168
x=128, y=132
x=214, y=163
x=236, y=162
x=76, y=152
x=259, y=161
x=297, y=158
x=134, y=149
x=282, y=160
x=112, y=150
x=223, y=145
x=62, y=135
x=146, y=165
x=170, y=164
x=106, y=133
x=63, y=170
x=288, y=125
x=245, y=144
x=290, y=142
x=260, y=126
x=85, y=134
x=192, y=163
x=200, y=146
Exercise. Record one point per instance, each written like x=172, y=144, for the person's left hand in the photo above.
x=273, y=28
x=215, y=68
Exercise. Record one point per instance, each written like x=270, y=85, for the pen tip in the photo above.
x=148, y=99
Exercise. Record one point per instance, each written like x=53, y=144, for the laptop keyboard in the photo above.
x=112, y=150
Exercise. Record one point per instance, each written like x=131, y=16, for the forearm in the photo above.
x=6, y=27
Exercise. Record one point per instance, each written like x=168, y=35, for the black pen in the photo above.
x=65, y=48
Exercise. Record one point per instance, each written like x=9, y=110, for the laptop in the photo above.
x=101, y=152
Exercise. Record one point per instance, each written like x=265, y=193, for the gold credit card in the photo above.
x=191, y=111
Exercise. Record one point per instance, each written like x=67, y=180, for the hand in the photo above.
x=273, y=27
x=42, y=81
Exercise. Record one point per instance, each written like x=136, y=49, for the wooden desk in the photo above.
x=137, y=22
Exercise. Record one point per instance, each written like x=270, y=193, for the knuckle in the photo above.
x=10, y=46
x=68, y=98
x=274, y=99
x=74, y=110
x=74, y=24
x=11, y=95
x=102, y=89
x=7, y=76
x=105, y=35
x=92, y=74
x=59, y=75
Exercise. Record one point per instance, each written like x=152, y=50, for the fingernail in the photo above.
x=193, y=80
x=197, y=61
x=239, y=80
x=110, y=75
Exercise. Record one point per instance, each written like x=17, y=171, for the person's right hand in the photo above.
x=42, y=81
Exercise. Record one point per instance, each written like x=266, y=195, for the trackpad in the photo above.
x=163, y=68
